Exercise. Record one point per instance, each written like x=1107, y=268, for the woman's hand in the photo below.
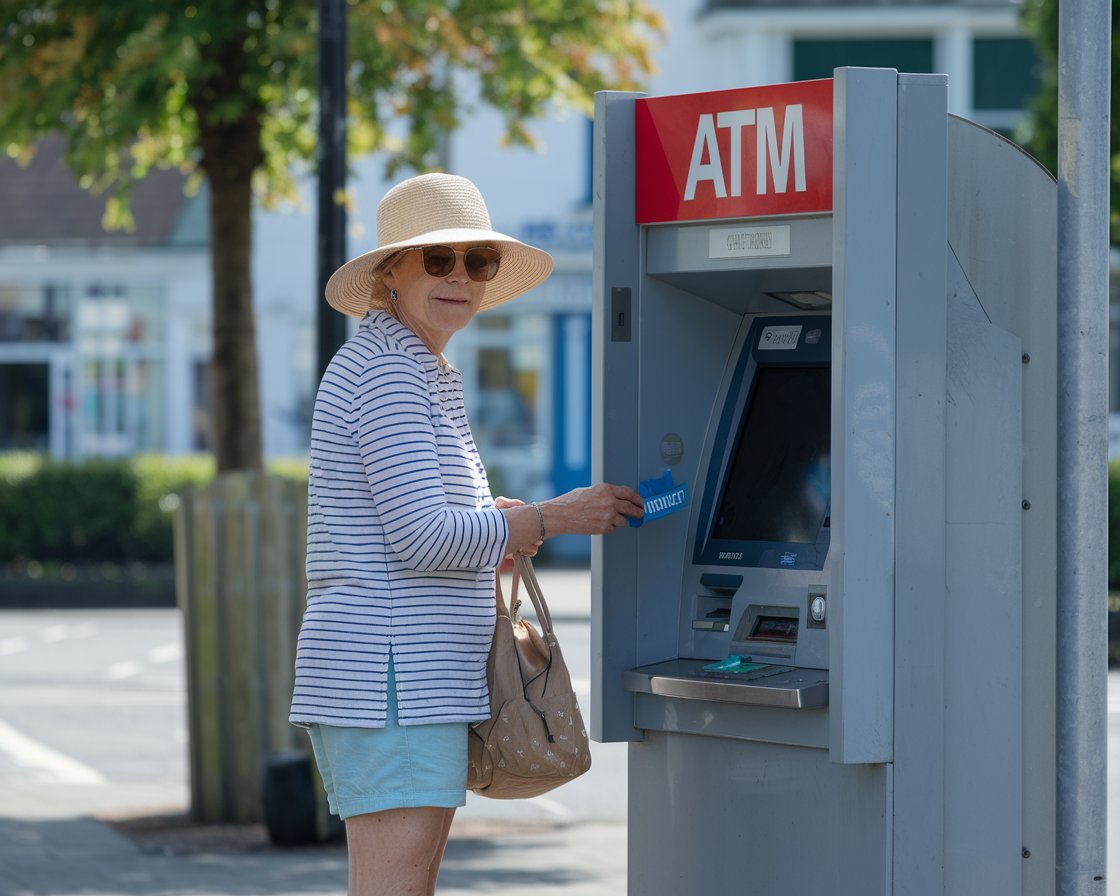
x=594, y=510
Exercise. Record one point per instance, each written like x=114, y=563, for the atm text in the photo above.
x=770, y=159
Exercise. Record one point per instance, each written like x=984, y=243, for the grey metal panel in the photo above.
x=982, y=740
x=863, y=397
x=919, y=526
x=680, y=255
x=614, y=413
x=686, y=345
x=765, y=724
x=685, y=248
x=1004, y=246
x=785, y=820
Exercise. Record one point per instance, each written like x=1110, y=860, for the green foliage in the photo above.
x=130, y=84
x=1040, y=133
x=67, y=512
x=135, y=85
x=1114, y=562
x=159, y=477
x=294, y=468
x=17, y=465
x=99, y=511
x=1114, y=525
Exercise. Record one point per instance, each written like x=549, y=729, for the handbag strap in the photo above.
x=499, y=596
x=523, y=569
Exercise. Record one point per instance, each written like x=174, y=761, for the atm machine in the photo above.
x=825, y=318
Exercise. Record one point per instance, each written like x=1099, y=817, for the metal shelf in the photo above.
x=771, y=685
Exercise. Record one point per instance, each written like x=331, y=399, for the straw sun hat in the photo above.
x=432, y=210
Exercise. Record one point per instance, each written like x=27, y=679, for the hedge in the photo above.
x=98, y=511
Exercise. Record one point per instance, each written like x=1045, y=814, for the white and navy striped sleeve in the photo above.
x=391, y=419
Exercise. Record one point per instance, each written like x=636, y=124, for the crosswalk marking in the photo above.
x=49, y=763
x=8, y=646
x=50, y=634
x=165, y=653
x=124, y=669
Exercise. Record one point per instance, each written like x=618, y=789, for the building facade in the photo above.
x=98, y=341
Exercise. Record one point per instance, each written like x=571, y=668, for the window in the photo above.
x=1005, y=72
x=24, y=407
x=504, y=363
x=120, y=385
x=34, y=313
x=1005, y=77
x=817, y=58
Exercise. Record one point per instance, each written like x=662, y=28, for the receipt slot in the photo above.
x=825, y=316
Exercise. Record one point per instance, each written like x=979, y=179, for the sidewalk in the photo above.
x=57, y=857
x=65, y=840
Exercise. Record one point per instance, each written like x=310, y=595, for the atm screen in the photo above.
x=777, y=485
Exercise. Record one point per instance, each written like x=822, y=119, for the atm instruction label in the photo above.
x=783, y=338
x=748, y=242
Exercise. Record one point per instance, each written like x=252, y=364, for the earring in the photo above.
x=392, y=295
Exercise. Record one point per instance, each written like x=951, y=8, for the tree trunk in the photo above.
x=230, y=152
x=234, y=377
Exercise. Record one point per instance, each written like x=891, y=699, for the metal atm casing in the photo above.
x=928, y=767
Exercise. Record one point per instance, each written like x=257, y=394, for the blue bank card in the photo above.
x=661, y=497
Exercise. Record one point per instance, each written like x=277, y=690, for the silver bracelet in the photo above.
x=540, y=516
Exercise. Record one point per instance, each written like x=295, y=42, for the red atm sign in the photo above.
x=734, y=153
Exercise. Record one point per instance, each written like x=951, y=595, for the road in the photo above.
x=92, y=710
x=93, y=721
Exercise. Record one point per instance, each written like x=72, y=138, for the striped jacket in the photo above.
x=402, y=541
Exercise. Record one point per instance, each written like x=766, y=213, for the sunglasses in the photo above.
x=481, y=262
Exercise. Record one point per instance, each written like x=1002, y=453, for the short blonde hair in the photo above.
x=379, y=293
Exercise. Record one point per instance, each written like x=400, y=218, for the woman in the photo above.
x=404, y=537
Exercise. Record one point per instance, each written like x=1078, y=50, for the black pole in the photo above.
x=332, y=328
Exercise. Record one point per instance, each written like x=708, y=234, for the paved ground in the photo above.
x=150, y=856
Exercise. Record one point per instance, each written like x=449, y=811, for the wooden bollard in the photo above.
x=239, y=579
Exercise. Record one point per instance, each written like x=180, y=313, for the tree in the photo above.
x=1040, y=133
x=225, y=91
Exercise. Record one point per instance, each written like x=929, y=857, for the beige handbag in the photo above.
x=535, y=739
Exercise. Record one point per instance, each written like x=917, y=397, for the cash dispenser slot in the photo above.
x=768, y=630
x=713, y=605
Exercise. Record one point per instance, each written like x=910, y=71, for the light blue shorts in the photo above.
x=395, y=767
